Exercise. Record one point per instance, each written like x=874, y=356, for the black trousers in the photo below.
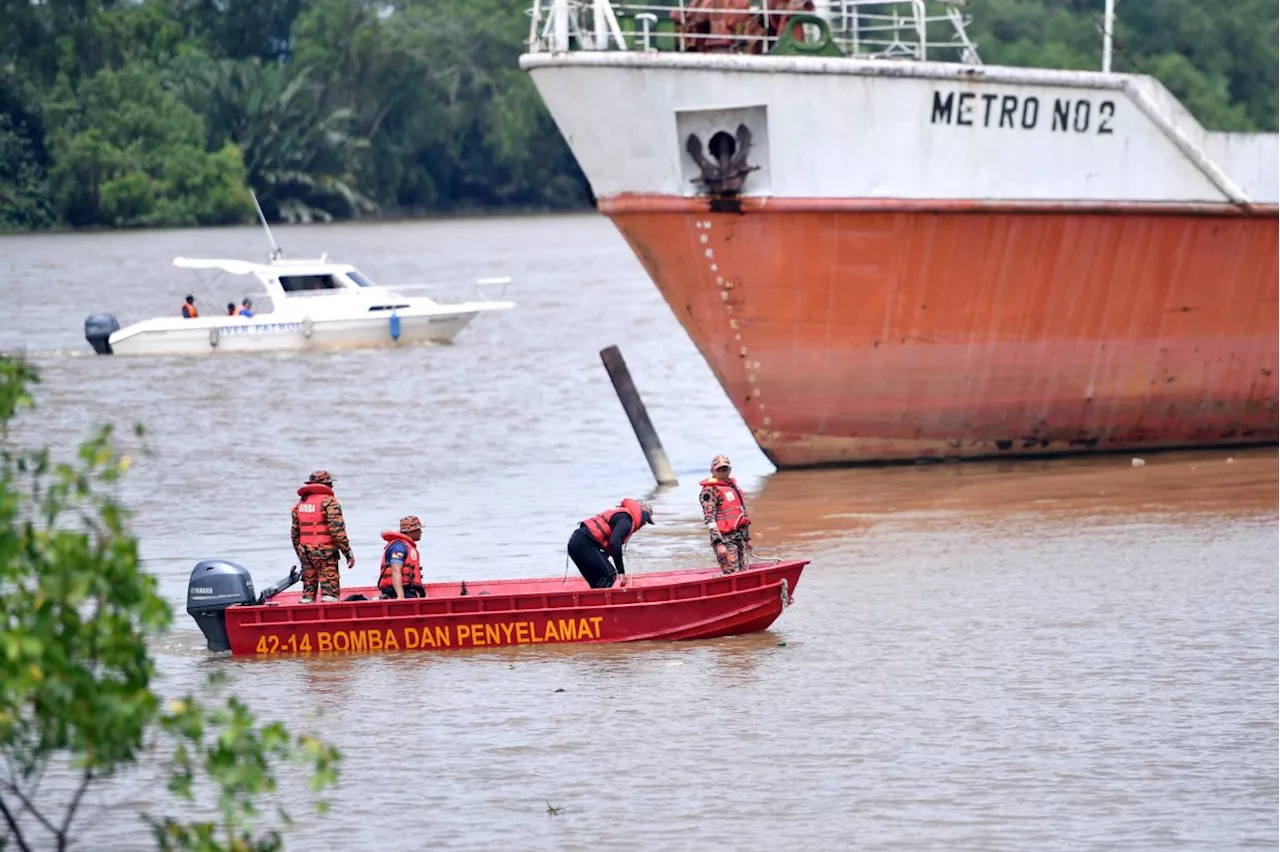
x=590, y=558
x=410, y=591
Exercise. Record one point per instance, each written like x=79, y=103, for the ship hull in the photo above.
x=874, y=331
x=920, y=260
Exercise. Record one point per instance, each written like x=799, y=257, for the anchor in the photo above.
x=725, y=176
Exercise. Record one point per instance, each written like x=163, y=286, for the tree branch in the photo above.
x=377, y=122
x=28, y=806
x=72, y=808
x=13, y=826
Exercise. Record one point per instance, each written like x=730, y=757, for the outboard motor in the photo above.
x=216, y=584
x=98, y=330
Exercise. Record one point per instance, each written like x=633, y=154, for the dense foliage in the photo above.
x=148, y=112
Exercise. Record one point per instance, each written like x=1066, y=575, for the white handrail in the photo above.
x=860, y=28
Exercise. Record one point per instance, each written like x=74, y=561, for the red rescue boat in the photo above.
x=700, y=603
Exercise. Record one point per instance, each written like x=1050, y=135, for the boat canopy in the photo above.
x=293, y=275
x=235, y=267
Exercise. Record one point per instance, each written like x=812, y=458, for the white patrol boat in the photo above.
x=315, y=304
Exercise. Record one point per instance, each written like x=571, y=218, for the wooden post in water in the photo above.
x=640, y=423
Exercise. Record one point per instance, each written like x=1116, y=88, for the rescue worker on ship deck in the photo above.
x=401, y=575
x=604, y=535
x=725, y=514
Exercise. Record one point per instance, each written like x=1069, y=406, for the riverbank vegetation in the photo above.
x=123, y=113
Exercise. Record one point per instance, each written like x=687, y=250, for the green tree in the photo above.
x=24, y=185
x=344, y=108
x=73, y=39
x=76, y=618
x=127, y=151
x=452, y=122
x=299, y=154
x=241, y=29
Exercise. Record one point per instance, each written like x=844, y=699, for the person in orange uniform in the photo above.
x=319, y=534
x=725, y=514
x=604, y=535
x=401, y=571
x=189, y=308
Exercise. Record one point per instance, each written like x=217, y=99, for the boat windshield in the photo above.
x=300, y=283
x=360, y=279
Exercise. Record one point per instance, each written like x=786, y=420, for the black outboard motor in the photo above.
x=98, y=330
x=216, y=584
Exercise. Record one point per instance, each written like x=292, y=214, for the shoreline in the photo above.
x=397, y=218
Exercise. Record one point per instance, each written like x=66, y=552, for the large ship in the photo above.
x=889, y=251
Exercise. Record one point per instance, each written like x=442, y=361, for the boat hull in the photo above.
x=677, y=605
x=270, y=334
x=873, y=331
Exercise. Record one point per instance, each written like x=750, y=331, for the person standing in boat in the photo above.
x=604, y=535
x=401, y=575
x=724, y=511
x=319, y=534
x=189, y=308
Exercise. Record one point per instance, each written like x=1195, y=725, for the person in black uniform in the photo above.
x=604, y=535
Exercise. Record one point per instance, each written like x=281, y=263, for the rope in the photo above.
x=1115, y=42
x=752, y=560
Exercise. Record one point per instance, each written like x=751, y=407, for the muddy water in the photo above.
x=1079, y=654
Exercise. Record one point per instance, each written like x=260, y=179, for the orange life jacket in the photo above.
x=731, y=513
x=410, y=571
x=189, y=311
x=598, y=525
x=313, y=527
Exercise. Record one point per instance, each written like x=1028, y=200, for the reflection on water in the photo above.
x=1047, y=655
x=794, y=505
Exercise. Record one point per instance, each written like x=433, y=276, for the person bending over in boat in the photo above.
x=319, y=534
x=605, y=535
x=401, y=571
x=725, y=514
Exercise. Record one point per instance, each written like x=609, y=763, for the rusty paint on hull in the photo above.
x=875, y=331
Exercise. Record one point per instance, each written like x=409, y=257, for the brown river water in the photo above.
x=1079, y=654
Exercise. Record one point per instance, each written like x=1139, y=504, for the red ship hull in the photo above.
x=879, y=331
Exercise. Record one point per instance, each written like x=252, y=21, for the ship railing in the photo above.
x=902, y=29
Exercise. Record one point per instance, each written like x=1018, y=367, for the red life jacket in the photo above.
x=313, y=527
x=598, y=525
x=410, y=571
x=731, y=513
